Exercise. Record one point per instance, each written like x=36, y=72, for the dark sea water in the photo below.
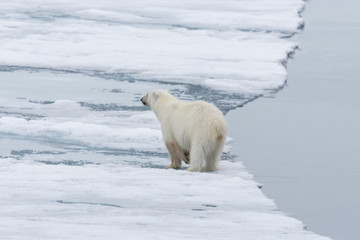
x=303, y=146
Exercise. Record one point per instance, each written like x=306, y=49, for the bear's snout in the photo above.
x=143, y=100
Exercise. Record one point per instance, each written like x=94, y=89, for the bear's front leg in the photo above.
x=175, y=154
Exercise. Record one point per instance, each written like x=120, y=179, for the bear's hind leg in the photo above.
x=213, y=157
x=176, y=155
x=212, y=162
x=197, y=156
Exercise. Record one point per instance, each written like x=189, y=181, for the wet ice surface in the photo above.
x=81, y=158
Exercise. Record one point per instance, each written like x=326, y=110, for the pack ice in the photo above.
x=81, y=158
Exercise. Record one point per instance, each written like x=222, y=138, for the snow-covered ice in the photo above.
x=81, y=158
x=210, y=42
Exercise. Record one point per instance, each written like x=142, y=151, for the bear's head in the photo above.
x=151, y=97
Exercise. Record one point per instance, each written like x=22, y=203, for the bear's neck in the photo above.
x=163, y=107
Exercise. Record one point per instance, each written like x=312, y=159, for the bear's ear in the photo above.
x=155, y=96
x=167, y=90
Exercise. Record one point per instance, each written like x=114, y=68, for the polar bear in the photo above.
x=192, y=131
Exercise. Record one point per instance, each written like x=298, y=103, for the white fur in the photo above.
x=194, y=131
